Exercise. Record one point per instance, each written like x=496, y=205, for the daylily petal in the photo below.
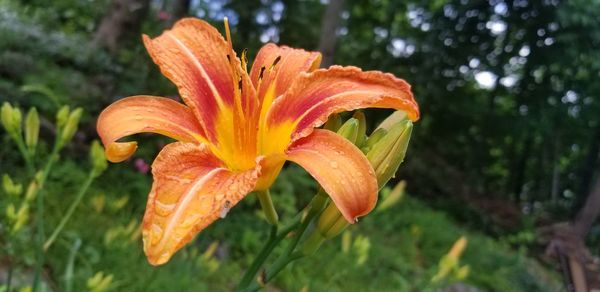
x=278, y=77
x=340, y=168
x=273, y=71
x=191, y=190
x=139, y=114
x=314, y=96
x=195, y=57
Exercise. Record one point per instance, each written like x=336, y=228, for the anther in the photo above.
x=260, y=74
x=275, y=63
x=245, y=59
x=227, y=31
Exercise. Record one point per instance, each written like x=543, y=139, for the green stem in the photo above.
x=317, y=204
x=277, y=267
x=26, y=156
x=312, y=243
x=71, y=210
x=267, y=205
x=9, y=276
x=40, y=215
x=260, y=259
x=315, y=207
x=71, y=265
x=272, y=242
x=280, y=264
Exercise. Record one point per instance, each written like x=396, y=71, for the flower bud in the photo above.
x=10, y=187
x=32, y=129
x=97, y=158
x=32, y=190
x=396, y=117
x=458, y=248
x=71, y=126
x=98, y=202
x=99, y=282
x=388, y=153
x=349, y=130
x=21, y=218
x=61, y=116
x=6, y=116
x=462, y=272
x=17, y=118
x=312, y=243
x=331, y=222
x=450, y=261
x=333, y=123
x=373, y=139
x=392, y=197
x=11, y=120
x=361, y=135
x=362, y=246
x=11, y=212
x=346, y=241
x=210, y=250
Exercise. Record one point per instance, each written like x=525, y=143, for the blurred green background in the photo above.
x=506, y=152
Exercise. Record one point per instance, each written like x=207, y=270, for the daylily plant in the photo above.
x=236, y=130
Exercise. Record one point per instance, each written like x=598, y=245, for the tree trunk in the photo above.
x=331, y=21
x=520, y=169
x=591, y=161
x=122, y=19
x=589, y=212
x=181, y=8
x=555, y=188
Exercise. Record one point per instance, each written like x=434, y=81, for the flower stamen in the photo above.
x=227, y=31
x=245, y=60
x=274, y=63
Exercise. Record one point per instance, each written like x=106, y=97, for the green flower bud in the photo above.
x=99, y=282
x=331, y=222
x=97, y=158
x=396, y=117
x=362, y=246
x=388, y=153
x=61, y=116
x=346, y=241
x=11, y=212
x=333, y=123
x=10, y=187
x=349, y=130
x=32, y=190
x=373, y=139
x=361, y=135
x=71, y=126
x=462, y=272
x=32, y=129
x=17, y=118
x=21, y=218
x=11, y=120
x=6, y=116
x=392, y=197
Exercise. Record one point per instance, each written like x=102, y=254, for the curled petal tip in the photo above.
x=120, y=151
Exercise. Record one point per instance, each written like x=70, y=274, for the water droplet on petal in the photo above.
x=334, y=164
x=225, y=210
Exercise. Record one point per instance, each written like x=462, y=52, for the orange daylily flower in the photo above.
x=236, y=130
